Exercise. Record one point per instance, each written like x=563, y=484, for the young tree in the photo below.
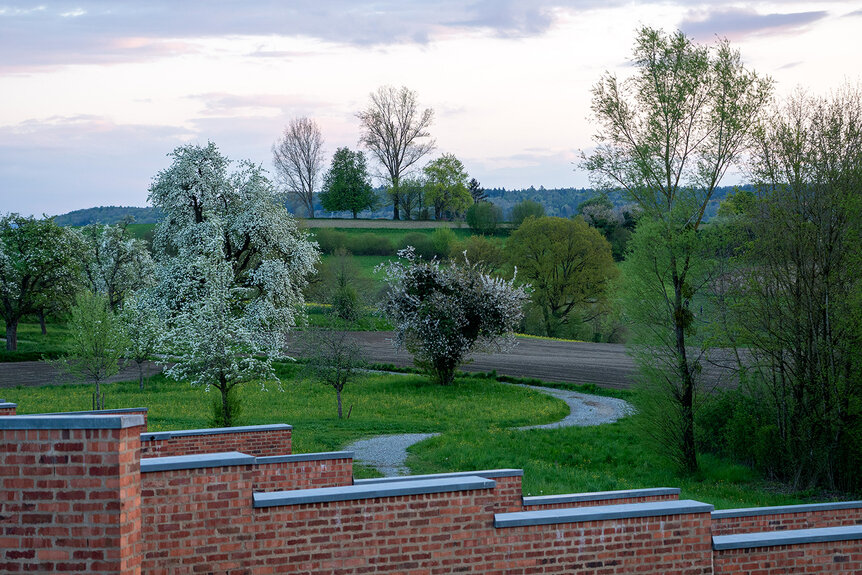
x=446, y=187
x=298, y=160
x=346, y=186
x=115, y=263
x=143, y=330
x=396, y=133
x=666, y=136
x=567, y=263
x=232, y=265
x=39, y=264
x=334, y=357
x=97, y=342
x=443, y=313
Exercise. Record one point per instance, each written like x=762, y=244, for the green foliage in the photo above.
x=347, y=186
x=446, y=187
x=484, y=217
x=39, y=268
x=568, y=266
x=422, y=245
x=360, y=244
x=443, y=239
x=108, y=215
x=666, y=136
x=524, y=210
x=334, y=358
x=481, y=251
x=615, y=224
x=98, y=341
x=226, y=408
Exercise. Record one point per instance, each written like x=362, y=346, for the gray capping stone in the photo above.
x=600, y=513
x=71, y=421
x=355, y=492
x=784, y=509
x=100, y=412
x=790, y=537
x=7, y=404
x=599, y=496
x=321, y=456
x=487, y=474
x=197, y=461
x=164, y=435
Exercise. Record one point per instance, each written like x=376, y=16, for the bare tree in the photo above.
x=395, y=131
x=298, y=160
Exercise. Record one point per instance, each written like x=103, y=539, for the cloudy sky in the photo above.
x=94, y=94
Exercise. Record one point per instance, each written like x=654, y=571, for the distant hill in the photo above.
x=108, y=215
x=561, y=202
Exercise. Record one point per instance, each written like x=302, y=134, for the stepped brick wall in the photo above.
x=253, y=440
x=77, y=496
x=7, y=408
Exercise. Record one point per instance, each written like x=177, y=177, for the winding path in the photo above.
x=388, y=453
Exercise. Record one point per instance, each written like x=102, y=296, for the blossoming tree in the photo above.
x=232, y=265
x=442, y=313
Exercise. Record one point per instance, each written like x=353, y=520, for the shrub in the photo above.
x=370, y=245
x=443, y=313
x=330, y=240
x=442, y=239
x=483, y=217
x=421, y=244
x=479, y=250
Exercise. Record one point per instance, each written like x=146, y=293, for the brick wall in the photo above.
x=784, y=518
x=810, y=558
x=71, y=497
x=7, y=408
x=270, y=440
x=303, y=474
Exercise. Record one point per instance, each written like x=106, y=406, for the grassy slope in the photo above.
x=474, y=416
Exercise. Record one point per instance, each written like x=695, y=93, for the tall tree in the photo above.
x=446, y=187
x=412, y=194
x=477, y=192
x=39, y=262
x=395, y=131
x=666, y=136
x=798, y=307
x=568, y=265
x=298, y=160
x=115, y=263
x=232, y=265
x=346, y=186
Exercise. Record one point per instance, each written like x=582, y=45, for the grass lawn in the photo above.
x=32, y=345
x=474, y=416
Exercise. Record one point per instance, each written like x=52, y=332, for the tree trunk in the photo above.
x=42, y=322
x=395, y=215
x=226, y=415
x=338, y=397
x=689, y=451
x=11, y=335
x=354, y=214
x=141, y=375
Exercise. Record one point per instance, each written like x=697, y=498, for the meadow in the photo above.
x=474, y=417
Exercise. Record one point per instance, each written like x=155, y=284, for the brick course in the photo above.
x=258, y=443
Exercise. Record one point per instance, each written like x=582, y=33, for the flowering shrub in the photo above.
x=442, y=313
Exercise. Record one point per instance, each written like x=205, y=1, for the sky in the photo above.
x=95, y=94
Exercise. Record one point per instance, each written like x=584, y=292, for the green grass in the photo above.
x=474, y=416
x=319, y=315
x=33, y=346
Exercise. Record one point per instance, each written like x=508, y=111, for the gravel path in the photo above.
x=388, y=453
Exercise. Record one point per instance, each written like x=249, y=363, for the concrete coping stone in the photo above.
x=197, y=461
x=599, y=496
x=6, y=404
x=487, y=474
x=783, y=509
x=355, y=492
x=600, y=513
x=165, y=435
x=101, y=411
x=296, y=457
x=789, y=537
x=46, y=421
